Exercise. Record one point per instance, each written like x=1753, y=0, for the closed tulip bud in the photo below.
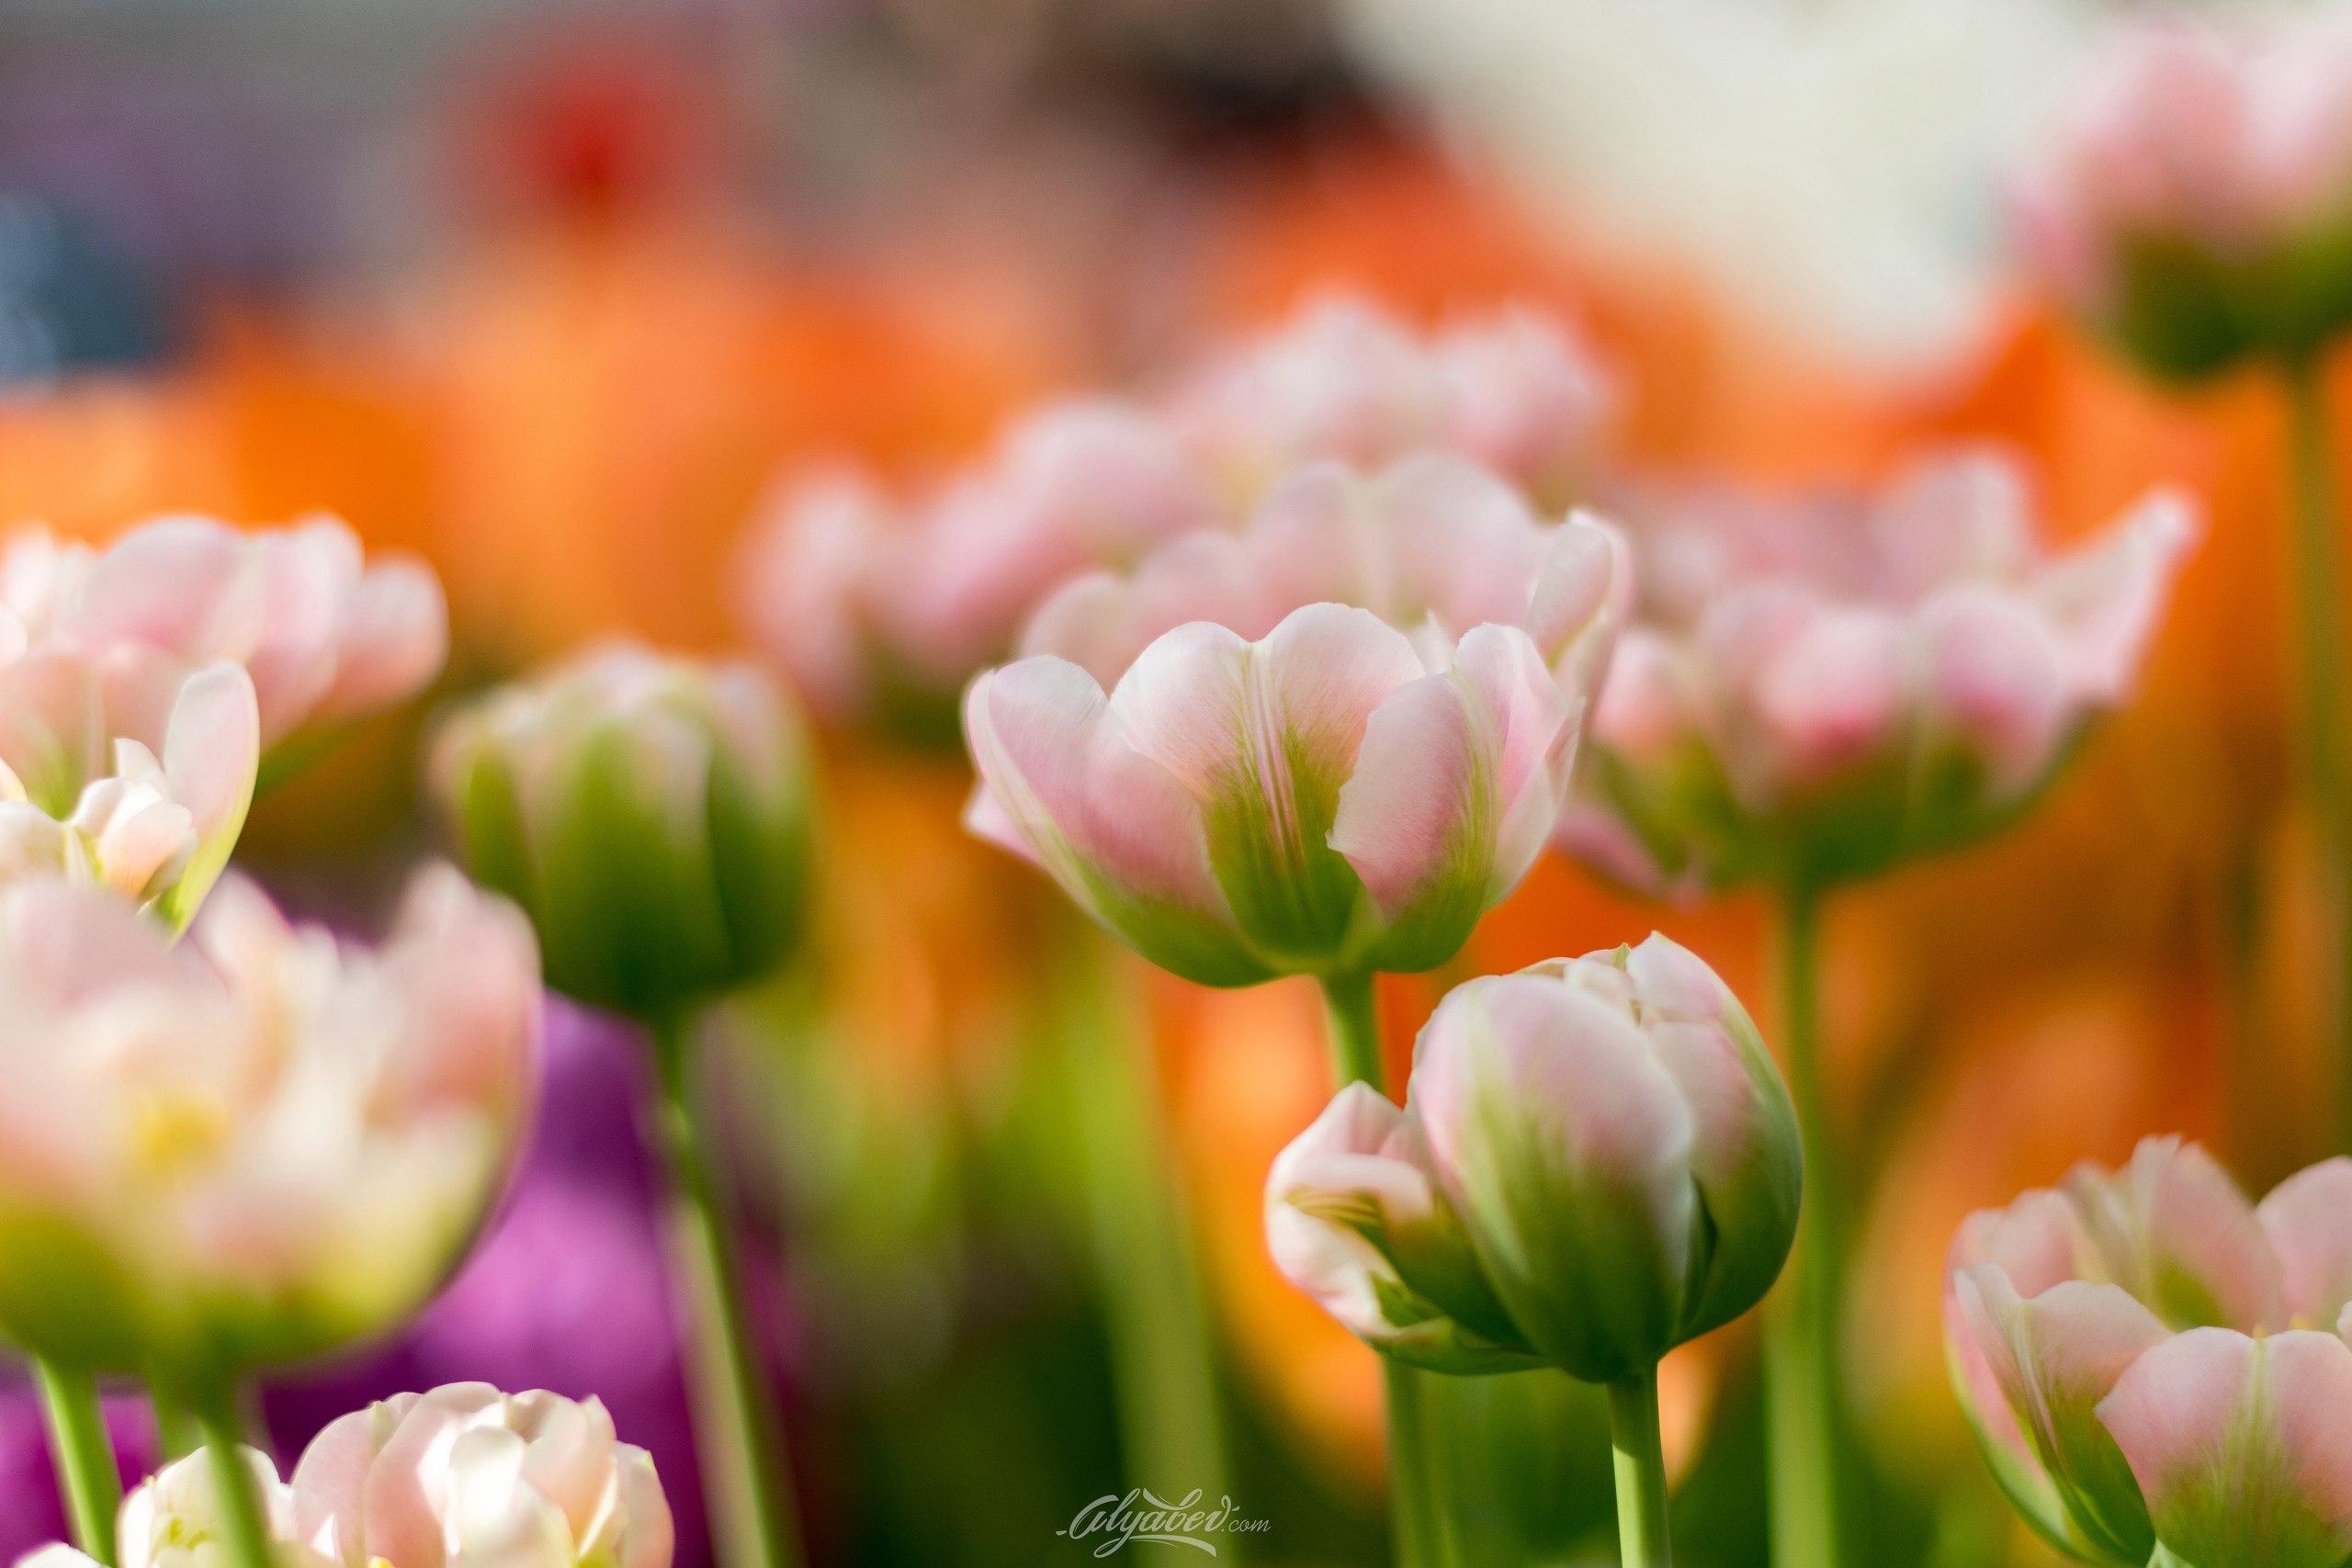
x=1596, y=1162
x=326, y=636
x=125, y=774
x=256, y=1145
x=467, y=1475
x=2149, y=1360
x=1816, y=691
x=2196, y=203
x=650, y=813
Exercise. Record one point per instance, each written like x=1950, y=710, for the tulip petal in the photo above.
x=1263, y=735
x=1120, y=835
x=1565, y=1147
x=2055, y=1356
x=1995, y=684
x=52, y=729
x=394, y=639
x=188, y=586
x=2240, y=1447
x=2174, y=1230
x=212, y=755
x=2308, y=1218
x=1456, y=786
x=2105, y=598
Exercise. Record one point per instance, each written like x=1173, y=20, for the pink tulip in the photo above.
x=124, y=772
x=861, y=600
x=1350, y=789
x=467, y=1475
x=2195, y=195
x=1596, y=1161
x=1345, y=380
x=2149, y=1359
x=256, y=1145
x=1821, y=688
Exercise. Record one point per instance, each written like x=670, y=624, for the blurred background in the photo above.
x=552, y=291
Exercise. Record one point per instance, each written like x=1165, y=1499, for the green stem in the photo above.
x=1801, y=1318
x=2318, y=574
x=1641, y=1472
x=737, y=1437
x=1351, y=1015
x=1352, y=1012
x=82, y=1452
x=242, y=1517
x=1164, y=1361
x=176, y=1432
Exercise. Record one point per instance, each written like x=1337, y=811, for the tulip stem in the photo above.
x=1163, y=1361
x=738, y=1439
x=2326, y=750
x=83, y=1453
x=1352, y=1011
x=1800, y=1318
x=1640, y=1455
x=1417, y=1521
x=244, y=1519
x=176, y=1432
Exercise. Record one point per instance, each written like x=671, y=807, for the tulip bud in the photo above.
x=650, y=813
x=2150, y=1360
x=2197, y=202
x=468, y=1475
x=125, y=774
x=256, y=1145
x=1596, y=1162
x=175, y=1518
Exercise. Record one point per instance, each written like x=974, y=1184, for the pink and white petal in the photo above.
x=395, y=639
x=330, y=1480
x=67, y=945
x=1995, y=680
x=1584, y=594
x=2104, y=600
x=1834, y=694
x=2038, y=1241
x=2308, y=1218
x=1960, y=516
x=1648, y=707
x=2179, y=1232
x=212, y=755
x=1314, y=540
x=186, y=585
x=1463, y=544
x=32, y=842
x=53, y=727
x=309, y=574
x=2240, y=1447
x=649, y=1538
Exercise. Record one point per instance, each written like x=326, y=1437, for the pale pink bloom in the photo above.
x=1829, y=684
x=258, y=1144
x=1595, y=1162
x=1357, y=742
x=1434, y=545
x=1346, y=381
x=2147, y=1356
x=326, y=636
x=855, y=593
x=2231, y=142
x=467, y=1475
x=125, y=773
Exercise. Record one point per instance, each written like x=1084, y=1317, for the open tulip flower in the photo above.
x=259, y=1143
x=650, y=813
x=125, y=774
x=1515, y=390
x=2197, y=202
x=2154, y=1365
x=873, y=607
x=1815, y=690
x=463, y=1475
x=1596, y=1161
x=1340, y=794
x=326, y=636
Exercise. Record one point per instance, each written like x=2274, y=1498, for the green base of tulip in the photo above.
x=84, y=1454
x=1640, y=1459
x=1800, y=1317
x=737, y=1440
x=2326, y=741
x=1163, y=1364
x=244, y=1520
